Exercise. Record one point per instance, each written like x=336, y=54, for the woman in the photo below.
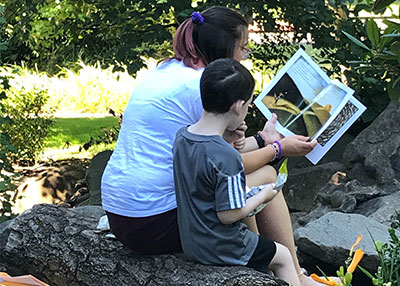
x=137, y=185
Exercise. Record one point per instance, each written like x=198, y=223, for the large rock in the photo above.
x=303, y=185
x=61, y=247
x=330, y=238
x=382, y=209
x=94, y=174
x=373, y=156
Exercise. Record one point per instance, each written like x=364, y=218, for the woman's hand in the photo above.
x=269, y=130
x=296, y=145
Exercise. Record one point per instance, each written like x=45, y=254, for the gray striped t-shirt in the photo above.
x=209, y=177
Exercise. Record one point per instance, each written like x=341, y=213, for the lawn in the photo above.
x=68, y=135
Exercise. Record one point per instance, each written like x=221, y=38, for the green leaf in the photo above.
x=395, y=48
x=394, y=35
x=373, y=32
x=387, y=57
x=366, y=272
x=394, y=25
x=381, y=4
x=348, y=277
x=356, y=41
x=396, y=82
x=394, y=93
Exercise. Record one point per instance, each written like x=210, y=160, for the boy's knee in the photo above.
x=282, y=256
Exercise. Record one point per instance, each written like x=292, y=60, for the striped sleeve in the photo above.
x=230, y=192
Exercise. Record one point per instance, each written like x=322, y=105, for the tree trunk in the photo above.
x=61, y=247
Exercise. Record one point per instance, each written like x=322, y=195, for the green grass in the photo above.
x=67, y=135
x=77, y=130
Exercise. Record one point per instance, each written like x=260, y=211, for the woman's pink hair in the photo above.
x=183, y=45
x=216, y=37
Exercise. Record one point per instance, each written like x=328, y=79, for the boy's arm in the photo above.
x=264, y=195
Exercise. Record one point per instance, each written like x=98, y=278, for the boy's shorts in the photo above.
x=263, y=255
x=157, y=234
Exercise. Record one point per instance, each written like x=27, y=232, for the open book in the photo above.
x=309, y=103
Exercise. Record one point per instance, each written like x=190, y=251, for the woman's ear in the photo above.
x=237, y=106
x=198, y=63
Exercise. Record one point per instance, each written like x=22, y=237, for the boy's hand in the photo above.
x=269, y=192
x=239, y=144
x=236, y=135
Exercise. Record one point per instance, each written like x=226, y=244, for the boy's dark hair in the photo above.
x=212, y=39
x=224, y=82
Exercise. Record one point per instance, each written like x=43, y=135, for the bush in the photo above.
x=388, y=272
x=91, y=89
x=30, y=124
x=26, y=104
x=7, y=188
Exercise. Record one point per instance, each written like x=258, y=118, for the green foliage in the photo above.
x=7, y=188
x=388, y=272
x=122, y=34
x=30, y=124
x=26, y=105
x=382, y=58
x=91, y=89
x=109, y=136
x=380, y=5
x=118, y=33
x=3, y=42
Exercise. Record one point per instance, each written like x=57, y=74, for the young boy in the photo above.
x=210, y=181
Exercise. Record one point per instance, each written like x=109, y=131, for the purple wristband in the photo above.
x=280, y=148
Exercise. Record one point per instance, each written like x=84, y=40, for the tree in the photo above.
x=381, y=49
x=123, y=33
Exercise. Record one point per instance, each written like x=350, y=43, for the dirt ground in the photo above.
x=48, y=182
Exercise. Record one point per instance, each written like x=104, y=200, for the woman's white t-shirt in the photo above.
x=138, y=179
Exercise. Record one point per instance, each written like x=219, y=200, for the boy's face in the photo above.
x=242, y=114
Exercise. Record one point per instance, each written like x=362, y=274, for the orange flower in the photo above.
x=328, y=282
x=358, y=255
x=355, y=244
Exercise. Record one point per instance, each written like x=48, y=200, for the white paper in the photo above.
x=309, y=103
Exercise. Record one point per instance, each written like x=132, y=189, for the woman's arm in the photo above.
x=292, y=146
x=254, y=160
x=264, y=195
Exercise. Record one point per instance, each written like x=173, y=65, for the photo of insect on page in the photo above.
x=309, y=103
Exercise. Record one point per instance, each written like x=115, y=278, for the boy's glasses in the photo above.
x=245, y=52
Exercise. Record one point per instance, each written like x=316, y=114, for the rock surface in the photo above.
x=331, y=236
x=373, y=156
x=61, y=247
x=330, y=204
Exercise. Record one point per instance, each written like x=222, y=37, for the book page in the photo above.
x=339, y=125
x=304, y=98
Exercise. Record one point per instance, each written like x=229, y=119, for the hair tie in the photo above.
x=197, y=18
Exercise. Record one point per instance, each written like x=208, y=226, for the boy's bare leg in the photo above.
x=274, y=220
x=282, y=266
